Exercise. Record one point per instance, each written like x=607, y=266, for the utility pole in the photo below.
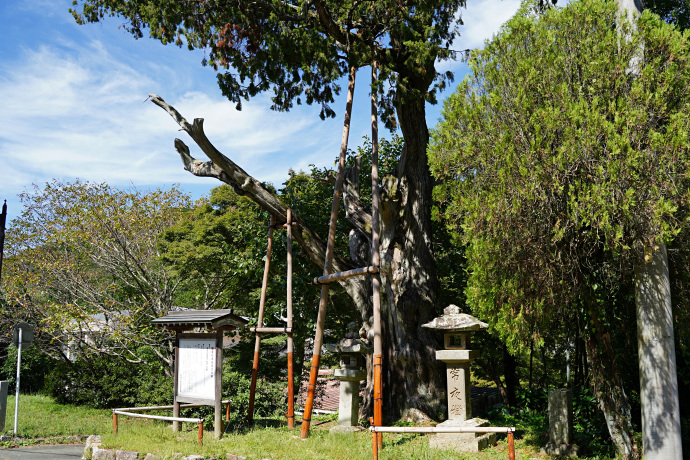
x=3, y=220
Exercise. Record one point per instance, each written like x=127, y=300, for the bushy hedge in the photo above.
x=106, y=382
x=34, y=368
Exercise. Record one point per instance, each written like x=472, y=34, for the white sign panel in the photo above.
x=196, y=376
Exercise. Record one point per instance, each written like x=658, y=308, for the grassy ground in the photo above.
x=40, y=417
x=270, y=439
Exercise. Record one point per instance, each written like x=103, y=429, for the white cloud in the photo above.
x=76, y=111
x=482, y=19
x=73, y=105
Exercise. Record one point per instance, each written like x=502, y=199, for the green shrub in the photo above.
x=35, y=366
x=531, y=416
x=106, y=382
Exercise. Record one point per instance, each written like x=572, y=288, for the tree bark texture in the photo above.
x=608, y=387
x=413, y=383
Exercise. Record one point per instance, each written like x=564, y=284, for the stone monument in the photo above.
x=560, y=424
x=457, y=355
x=351, y=350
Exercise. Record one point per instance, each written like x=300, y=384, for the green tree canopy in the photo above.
x=299, y=50
x=673, y=11
x=83, y=265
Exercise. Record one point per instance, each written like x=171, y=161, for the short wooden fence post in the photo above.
x=201, y=432
x=114, y=423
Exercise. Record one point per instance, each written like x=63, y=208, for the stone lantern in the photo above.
x=457, y=355
x=352, y=360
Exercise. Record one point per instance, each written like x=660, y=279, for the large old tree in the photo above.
x=300, y=49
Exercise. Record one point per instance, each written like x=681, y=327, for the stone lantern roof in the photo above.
x=351, y=343
x=454, y=321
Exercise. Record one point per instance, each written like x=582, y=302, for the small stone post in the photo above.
x=560, y=424
x=458, y=357
x=351, y=350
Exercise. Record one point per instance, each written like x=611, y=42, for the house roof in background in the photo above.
x=210, y=319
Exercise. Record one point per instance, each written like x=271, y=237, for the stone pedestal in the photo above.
x=560, y=424
x=348, y=405
x=463, y=442
x=458, y=378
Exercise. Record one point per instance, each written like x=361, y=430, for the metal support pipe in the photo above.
x=271, y=330
x=441, y=429
x=16, y=398
x=3, y=219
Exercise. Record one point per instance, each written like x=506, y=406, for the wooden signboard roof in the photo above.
x=209, y=319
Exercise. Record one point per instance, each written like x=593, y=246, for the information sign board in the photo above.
x=27, y=334
x=196, y=377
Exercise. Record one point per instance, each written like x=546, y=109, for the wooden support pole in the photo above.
x=375, y=445
x=375, y=258
x=114, y=423
x=325, y=279
x=176, y=405
x=217, y=404
x=511, y=446
x=290, y=345
x=321, y=318
x=259, y=324
x=200, y=437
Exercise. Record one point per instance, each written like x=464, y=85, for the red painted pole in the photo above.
x=375, y=260
x=290, y=346
x=330, y=244
x=260, y=323
x=375, y=445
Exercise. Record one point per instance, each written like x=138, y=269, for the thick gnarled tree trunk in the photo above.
x=413, y=384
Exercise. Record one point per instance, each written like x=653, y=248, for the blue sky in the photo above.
x=72, y=105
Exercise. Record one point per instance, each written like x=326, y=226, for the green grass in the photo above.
x=280, y=443
x=40, y=418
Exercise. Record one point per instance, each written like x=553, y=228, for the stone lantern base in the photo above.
x=463, y=442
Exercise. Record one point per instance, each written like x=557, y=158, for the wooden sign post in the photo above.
x=199, y=358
